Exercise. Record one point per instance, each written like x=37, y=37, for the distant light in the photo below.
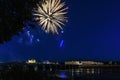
x=46, y=62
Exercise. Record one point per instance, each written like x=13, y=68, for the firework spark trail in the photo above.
x=61, y=43
x=38, y=40
x=51, y=15
x=28, y=33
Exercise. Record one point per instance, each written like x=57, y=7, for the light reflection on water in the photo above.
x=90, y=73
x=57, y=73
x=81, y=73
x=62, y=75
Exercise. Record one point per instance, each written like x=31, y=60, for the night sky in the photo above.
x=91, y=33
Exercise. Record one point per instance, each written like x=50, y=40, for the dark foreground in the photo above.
x=48, y=72
x=31, y=75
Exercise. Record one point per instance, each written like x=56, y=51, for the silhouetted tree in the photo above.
x=13, y=15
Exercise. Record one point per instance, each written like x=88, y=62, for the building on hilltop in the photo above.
x=31, y=61
x=72, y=63
x=91, y=63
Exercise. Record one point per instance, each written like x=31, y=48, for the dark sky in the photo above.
x=92, y=33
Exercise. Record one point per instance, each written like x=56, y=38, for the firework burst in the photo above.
x=51, y=15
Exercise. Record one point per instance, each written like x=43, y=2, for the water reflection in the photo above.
x=72, y=73
x=90, y=74
x=49, y=72
x=86, y=71
x=62, y=75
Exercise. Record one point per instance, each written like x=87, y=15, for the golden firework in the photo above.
x=51, y=15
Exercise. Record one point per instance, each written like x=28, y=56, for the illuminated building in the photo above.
x=72, y=63
x=31, y=61
x=91, y=63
